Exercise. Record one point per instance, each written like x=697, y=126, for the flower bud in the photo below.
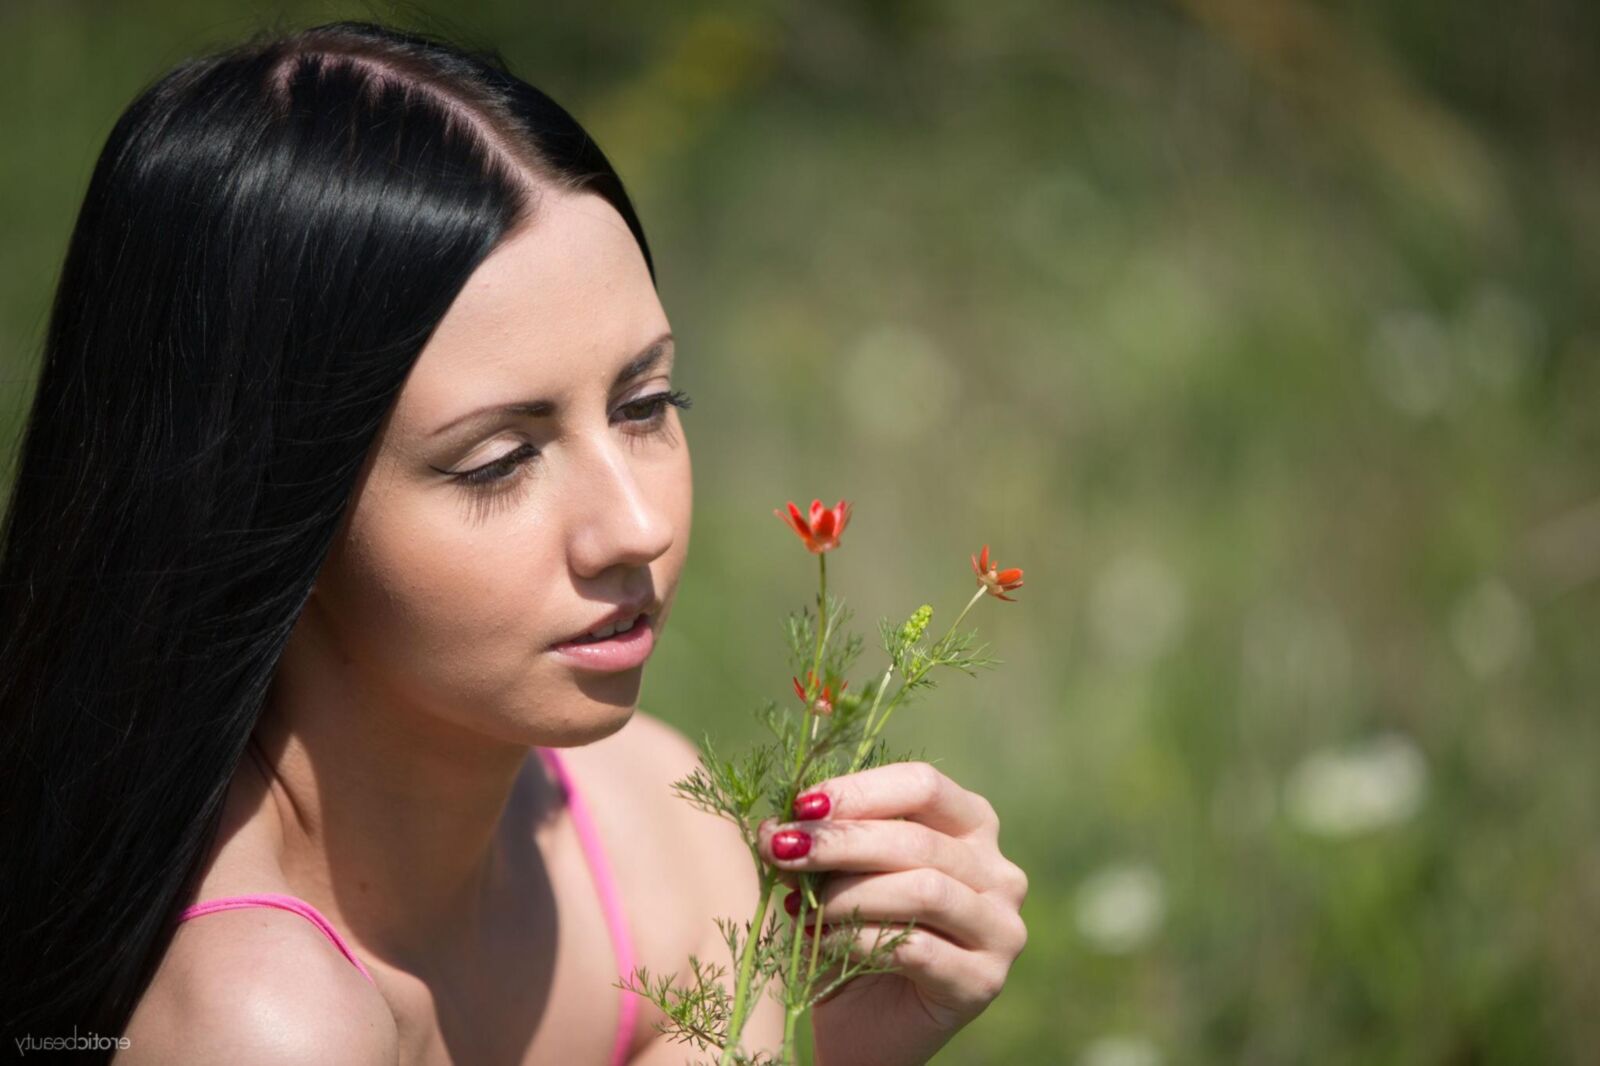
x=912, y=631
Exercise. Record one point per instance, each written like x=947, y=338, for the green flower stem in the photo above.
x=796, y=1005
x=951, y=631
x=816, y=662
x=816, y=946
x=822, y=611
x=872, y=734
x=741, y=995
x=792, y=1015
x=911, y=678
x=877, y=698
x=808, y=895
x=815, y=681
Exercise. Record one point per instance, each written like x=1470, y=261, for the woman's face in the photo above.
x=447, y=595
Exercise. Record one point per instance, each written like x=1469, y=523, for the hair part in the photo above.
x=301, y=71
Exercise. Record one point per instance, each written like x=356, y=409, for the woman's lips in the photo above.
x=620, y=651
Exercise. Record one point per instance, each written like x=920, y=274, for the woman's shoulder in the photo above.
x=667, y=854
x=647, y=741
x=255, y=983
x=636, y=768
x=258, y=984
x=626, y=781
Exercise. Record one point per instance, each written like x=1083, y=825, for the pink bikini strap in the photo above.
x=610, y=900
x=282, y=902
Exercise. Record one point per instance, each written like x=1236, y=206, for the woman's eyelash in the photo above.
x=498, y=470
x=493, y=474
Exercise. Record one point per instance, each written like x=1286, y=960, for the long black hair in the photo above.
x=269, y=237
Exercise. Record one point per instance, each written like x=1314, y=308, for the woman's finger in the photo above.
x=936, y=900
x=943, y=971
x=911, y=790
x=878, y=845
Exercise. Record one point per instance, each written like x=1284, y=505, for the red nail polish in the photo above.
x=791, y=903
x=812, y=805
x=791, y=844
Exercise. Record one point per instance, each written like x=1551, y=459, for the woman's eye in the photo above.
x=649, y=412
x=655, y=407
x=500, y=469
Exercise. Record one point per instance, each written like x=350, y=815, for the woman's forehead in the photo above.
x=557, y=303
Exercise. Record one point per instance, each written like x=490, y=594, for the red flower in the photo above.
x=821, y=529
x=824, y=703
x=997, y=581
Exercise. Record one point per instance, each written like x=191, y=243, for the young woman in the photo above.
x=355, y=424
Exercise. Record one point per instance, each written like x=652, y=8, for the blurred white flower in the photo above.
x=1120, y=907
x=1357, y=788
x=1137, y=608
x=1120, y=1050
x=898, y=385
x=1409, y=359
x=1490, y=628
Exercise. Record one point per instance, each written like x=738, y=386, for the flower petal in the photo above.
x=796, y=522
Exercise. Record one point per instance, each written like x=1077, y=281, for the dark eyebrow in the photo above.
x=660, y=348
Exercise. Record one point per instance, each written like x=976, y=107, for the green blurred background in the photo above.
x=1261, y=334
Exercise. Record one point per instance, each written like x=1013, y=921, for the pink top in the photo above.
x=599, y=869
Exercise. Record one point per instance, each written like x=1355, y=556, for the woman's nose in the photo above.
x=619, y=517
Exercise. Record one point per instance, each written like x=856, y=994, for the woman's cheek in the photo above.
x=443, y=611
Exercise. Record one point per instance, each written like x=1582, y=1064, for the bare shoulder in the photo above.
x=653, y=755
x=642, y=759
x=258, y=985
x=649, y=740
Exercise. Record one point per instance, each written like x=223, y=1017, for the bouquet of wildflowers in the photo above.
x=833, y=734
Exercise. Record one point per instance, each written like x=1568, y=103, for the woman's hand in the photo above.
x=911, y=844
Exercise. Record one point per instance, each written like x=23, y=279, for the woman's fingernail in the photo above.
x=791, y=903
x=791, y=843
x=812, y=805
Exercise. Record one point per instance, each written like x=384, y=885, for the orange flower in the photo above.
x=997, y=581
x=821, y=529
x=824, y=702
